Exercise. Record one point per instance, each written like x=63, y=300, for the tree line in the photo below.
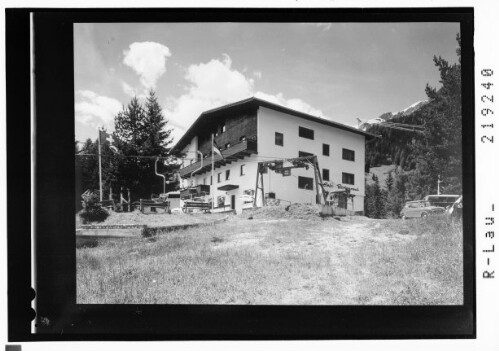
x=420, y=157
x=140, y=135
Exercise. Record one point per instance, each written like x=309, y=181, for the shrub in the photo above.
x=92, y=210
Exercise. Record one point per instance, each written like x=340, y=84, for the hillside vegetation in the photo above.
x=421, y=156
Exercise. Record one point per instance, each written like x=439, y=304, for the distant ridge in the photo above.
x=390, y=115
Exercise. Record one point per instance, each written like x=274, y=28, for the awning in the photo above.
x=228, y=187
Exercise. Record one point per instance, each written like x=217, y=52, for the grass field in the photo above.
x=156, y=219
x=281, y=261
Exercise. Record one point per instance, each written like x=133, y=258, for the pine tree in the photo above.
x=395, y=198
x=157, y=136
x=89, y=175
x=389, y=181
x=141, y=131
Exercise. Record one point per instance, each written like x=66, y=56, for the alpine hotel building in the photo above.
x=254, y=130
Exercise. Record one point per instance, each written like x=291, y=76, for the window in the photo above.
x=304, y=154
x=279, y=139
x=306, y=133
x=348, y=155
x=325, y=149
x=305, y=183
x=219, y=177
x=347, y=178
x=325, y=174
x=227, y=174
x=242, y=170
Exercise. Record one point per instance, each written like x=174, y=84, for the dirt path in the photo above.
x=338, y=240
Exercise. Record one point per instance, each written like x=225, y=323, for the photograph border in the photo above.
x=59, y=317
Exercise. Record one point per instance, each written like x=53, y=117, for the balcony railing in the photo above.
x=231, y=154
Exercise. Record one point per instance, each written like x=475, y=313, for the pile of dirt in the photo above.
x=296, y=211
x=303, y=211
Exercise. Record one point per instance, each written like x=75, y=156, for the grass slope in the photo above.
x=281, y=261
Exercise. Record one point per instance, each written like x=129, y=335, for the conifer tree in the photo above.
x=389, y=182
x=141, y=136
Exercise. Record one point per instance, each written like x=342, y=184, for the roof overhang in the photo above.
x=228, y=187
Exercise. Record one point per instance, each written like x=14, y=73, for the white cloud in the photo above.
x=295, y=104
x=148, y=60
x=211, y=85
x=214, y=84
x=96, y=110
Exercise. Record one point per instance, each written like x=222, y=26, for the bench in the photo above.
x=153, y=204
x=204, y=206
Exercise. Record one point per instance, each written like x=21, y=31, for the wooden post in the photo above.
x=320, y=180
x=129, y=203
x=256, y=184
x=317, y=196
x=263, y=192
x=100, y=166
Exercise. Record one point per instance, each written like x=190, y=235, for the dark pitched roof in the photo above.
x=256, y=102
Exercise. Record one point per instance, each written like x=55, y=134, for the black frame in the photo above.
x=54, y=183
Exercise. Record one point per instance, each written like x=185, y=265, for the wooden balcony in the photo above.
x=232, y=154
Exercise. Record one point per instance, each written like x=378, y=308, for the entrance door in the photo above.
x=233, y=202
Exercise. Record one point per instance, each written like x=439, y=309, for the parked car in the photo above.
x=420, y=208
x=444, y=200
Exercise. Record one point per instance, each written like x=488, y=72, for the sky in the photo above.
x=337, y=71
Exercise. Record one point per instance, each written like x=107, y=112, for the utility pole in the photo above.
x=438, y=185
x=212, y=172
x=100, y=166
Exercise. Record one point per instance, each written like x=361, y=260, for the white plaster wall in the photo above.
x=270, y=121
x=286, y=188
